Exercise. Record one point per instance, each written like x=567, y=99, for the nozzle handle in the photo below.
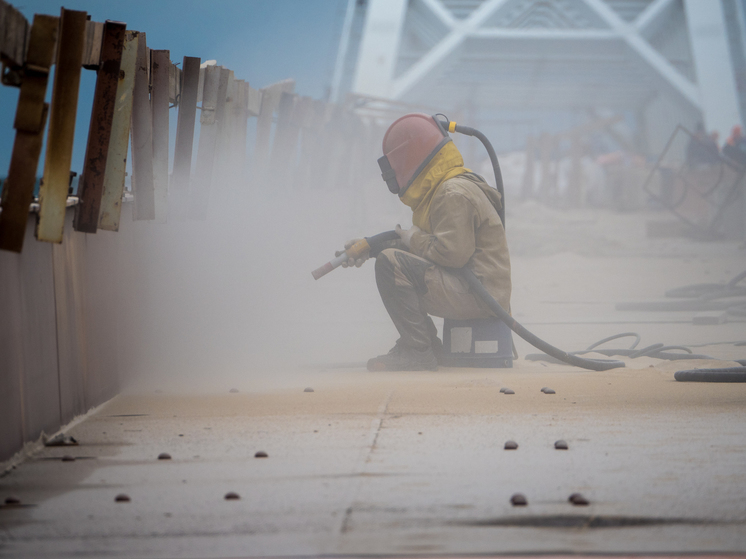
x=368, y=244
x=329, y=266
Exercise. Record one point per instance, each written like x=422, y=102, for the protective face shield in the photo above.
x=409, y=145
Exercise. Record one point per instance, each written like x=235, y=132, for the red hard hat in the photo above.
x=409, y=144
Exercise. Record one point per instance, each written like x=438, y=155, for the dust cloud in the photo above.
x=229, y=299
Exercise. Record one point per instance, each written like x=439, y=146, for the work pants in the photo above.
x=412, y=288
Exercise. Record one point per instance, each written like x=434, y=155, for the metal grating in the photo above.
x=546, y=14
x=461, y=9
x=628, y=10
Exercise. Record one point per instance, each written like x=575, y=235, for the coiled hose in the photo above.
x=593, y=364
x=658, y=351
x=378, y=242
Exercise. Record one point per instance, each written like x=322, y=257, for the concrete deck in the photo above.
x=397, y=464
x=413, y=463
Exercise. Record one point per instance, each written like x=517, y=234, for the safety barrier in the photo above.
x=63, y=348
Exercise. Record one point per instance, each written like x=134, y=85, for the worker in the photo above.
x=455, y=224
x=735, y=147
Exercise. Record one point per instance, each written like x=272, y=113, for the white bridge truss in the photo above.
x=551, y=54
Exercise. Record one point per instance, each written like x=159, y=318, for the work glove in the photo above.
x=406, y=234
x=351, y=261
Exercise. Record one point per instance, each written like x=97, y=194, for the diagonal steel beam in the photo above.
x=444, y=48
x=440, y=11
x=653, y=58
x=652, y=14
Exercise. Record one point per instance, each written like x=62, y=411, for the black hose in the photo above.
x=631, y=353
x=616, y=337
x=377, y=242
x=468, y=131
x=646, y=350
x=593, y=364
x=731, y=374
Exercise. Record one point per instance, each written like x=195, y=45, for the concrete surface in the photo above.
x=413, y=463
x=397, y=464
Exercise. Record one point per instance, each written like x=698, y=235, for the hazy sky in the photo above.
x=263, y=41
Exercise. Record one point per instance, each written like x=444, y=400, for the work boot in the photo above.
x=403, y=358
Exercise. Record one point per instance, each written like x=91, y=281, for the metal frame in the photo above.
x=731, y=188
x=451, y=36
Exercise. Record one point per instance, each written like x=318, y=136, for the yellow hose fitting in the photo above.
x=451, y=126
x=358, y=249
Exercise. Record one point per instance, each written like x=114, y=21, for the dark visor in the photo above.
x=388, y=174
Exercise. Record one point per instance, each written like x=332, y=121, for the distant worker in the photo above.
x=456, y=224
x=735, y=147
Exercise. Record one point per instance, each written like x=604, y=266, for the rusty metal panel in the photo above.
x=116, y=160
x=91, y=185
x=160, y=63
x=185, y=123
x=303, y=115
x=94, y=36
x=201, y=84
x=286, y=135
x=211, y=131
x=254, y=101
x=199, y=190
x=223, y=112
x=31, y=116
x=312, y=144
x=238, y=120
x=142, y=138
x=14, y=34
x=270, y=101
x=302, y=118
x=210, y=94
x=56, y=181
x=36, y=74
x=174, y=84
x=18, y=190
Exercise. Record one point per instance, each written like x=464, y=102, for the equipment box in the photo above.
x=484, y=343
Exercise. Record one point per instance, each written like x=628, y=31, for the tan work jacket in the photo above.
x=466, y=230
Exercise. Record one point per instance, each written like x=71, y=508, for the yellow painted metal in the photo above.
x=56, y=181
x=200, y=189
x=159, y=72
x=142, y=137
x=116, y=160
x=31, y=117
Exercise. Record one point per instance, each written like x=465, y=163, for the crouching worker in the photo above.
x=456, y=224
